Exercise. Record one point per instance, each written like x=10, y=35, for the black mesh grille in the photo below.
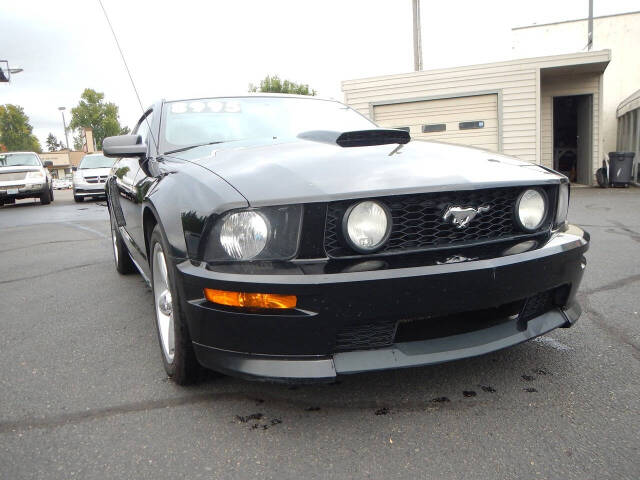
x=537, y=305
x=385, y=333
x=362, y=337
x=418, y=220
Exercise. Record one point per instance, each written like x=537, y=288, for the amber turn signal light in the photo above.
x=251, y=300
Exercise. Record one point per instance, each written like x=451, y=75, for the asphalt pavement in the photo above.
x=83, y=393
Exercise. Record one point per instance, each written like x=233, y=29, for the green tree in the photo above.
x=92, y=111
x=16, y=133
x=273, y=84
x=53, y=145
x=78, y=141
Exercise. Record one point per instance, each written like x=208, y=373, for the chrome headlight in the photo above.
x=244, y=235
x=531, y=209
x=269, y=233
x=563, y=205
x=35, y=175
x=366, y=226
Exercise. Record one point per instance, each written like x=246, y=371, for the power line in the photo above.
x=115, y=37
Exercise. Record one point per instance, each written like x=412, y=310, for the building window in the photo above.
x=435, y=127
x=471, y=125
x=406, y=129
x=67, y=171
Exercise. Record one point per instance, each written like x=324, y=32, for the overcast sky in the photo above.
x=194, y=48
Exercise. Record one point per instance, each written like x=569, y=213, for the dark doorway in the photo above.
x=573, y=137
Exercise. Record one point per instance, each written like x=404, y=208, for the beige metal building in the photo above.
x=64, y=160
x=527, y=108
x=628, y=113
x=619, y=33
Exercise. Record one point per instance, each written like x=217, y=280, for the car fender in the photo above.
x=181, y=202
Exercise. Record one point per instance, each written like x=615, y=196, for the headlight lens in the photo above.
x=531, y=209
x=563, y=204
x=35, y=175
x=266, y=233
x=367, y=226
x=244, y=235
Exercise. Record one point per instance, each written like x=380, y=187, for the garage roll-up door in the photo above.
x=469, y=120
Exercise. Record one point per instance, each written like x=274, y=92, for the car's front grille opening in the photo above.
x=385, y=333
x=96, y=179
x=418, y=223
x=12, y=176
x=457, y=324
x=366, y=336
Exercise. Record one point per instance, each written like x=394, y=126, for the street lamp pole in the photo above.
x=64, y=124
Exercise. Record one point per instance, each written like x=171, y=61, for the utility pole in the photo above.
x=590, y=27
x=64, y=124
x=417, y=37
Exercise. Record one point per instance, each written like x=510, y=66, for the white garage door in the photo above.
x=463, y=120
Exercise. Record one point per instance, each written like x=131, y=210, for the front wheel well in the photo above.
x=149, y=221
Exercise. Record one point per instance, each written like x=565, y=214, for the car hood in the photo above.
x=94, y=172
x=19, y=168
x=302, y=171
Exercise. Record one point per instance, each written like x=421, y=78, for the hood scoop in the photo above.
x=358, y=138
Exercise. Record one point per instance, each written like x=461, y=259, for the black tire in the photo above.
x=183, y=368
x=124, y=264
x=78, y=199
x=46, y=197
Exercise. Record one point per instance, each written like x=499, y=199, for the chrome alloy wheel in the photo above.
x=164, y=307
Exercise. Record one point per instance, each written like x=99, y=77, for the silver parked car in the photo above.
x=90, y=176
x=24, y=175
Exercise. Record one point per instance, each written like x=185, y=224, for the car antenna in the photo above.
x=115, y=37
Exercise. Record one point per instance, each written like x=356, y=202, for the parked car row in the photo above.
x=25, y=175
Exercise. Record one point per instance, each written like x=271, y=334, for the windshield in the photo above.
x=195, y=122
x=19, y=159
x=96, y=161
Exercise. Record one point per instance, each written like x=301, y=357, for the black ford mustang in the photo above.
x=291, y=238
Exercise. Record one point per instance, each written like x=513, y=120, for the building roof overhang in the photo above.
x=632, y=102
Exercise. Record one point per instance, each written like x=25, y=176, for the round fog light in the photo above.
x=531, y=209
x=367, y=226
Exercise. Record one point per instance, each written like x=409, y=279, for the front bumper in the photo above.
x=304, y=343
x=81, y=189
x=10, y=190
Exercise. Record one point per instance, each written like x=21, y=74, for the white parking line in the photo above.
x=88, y=229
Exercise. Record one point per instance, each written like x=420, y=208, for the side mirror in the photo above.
x=74, y=169
x=124, y=146
x=48, y=163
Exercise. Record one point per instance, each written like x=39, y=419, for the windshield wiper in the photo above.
x=189, y=148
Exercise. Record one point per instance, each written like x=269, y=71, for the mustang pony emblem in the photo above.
x=462, y=216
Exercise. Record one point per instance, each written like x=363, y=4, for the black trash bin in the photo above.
x=620, y=168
